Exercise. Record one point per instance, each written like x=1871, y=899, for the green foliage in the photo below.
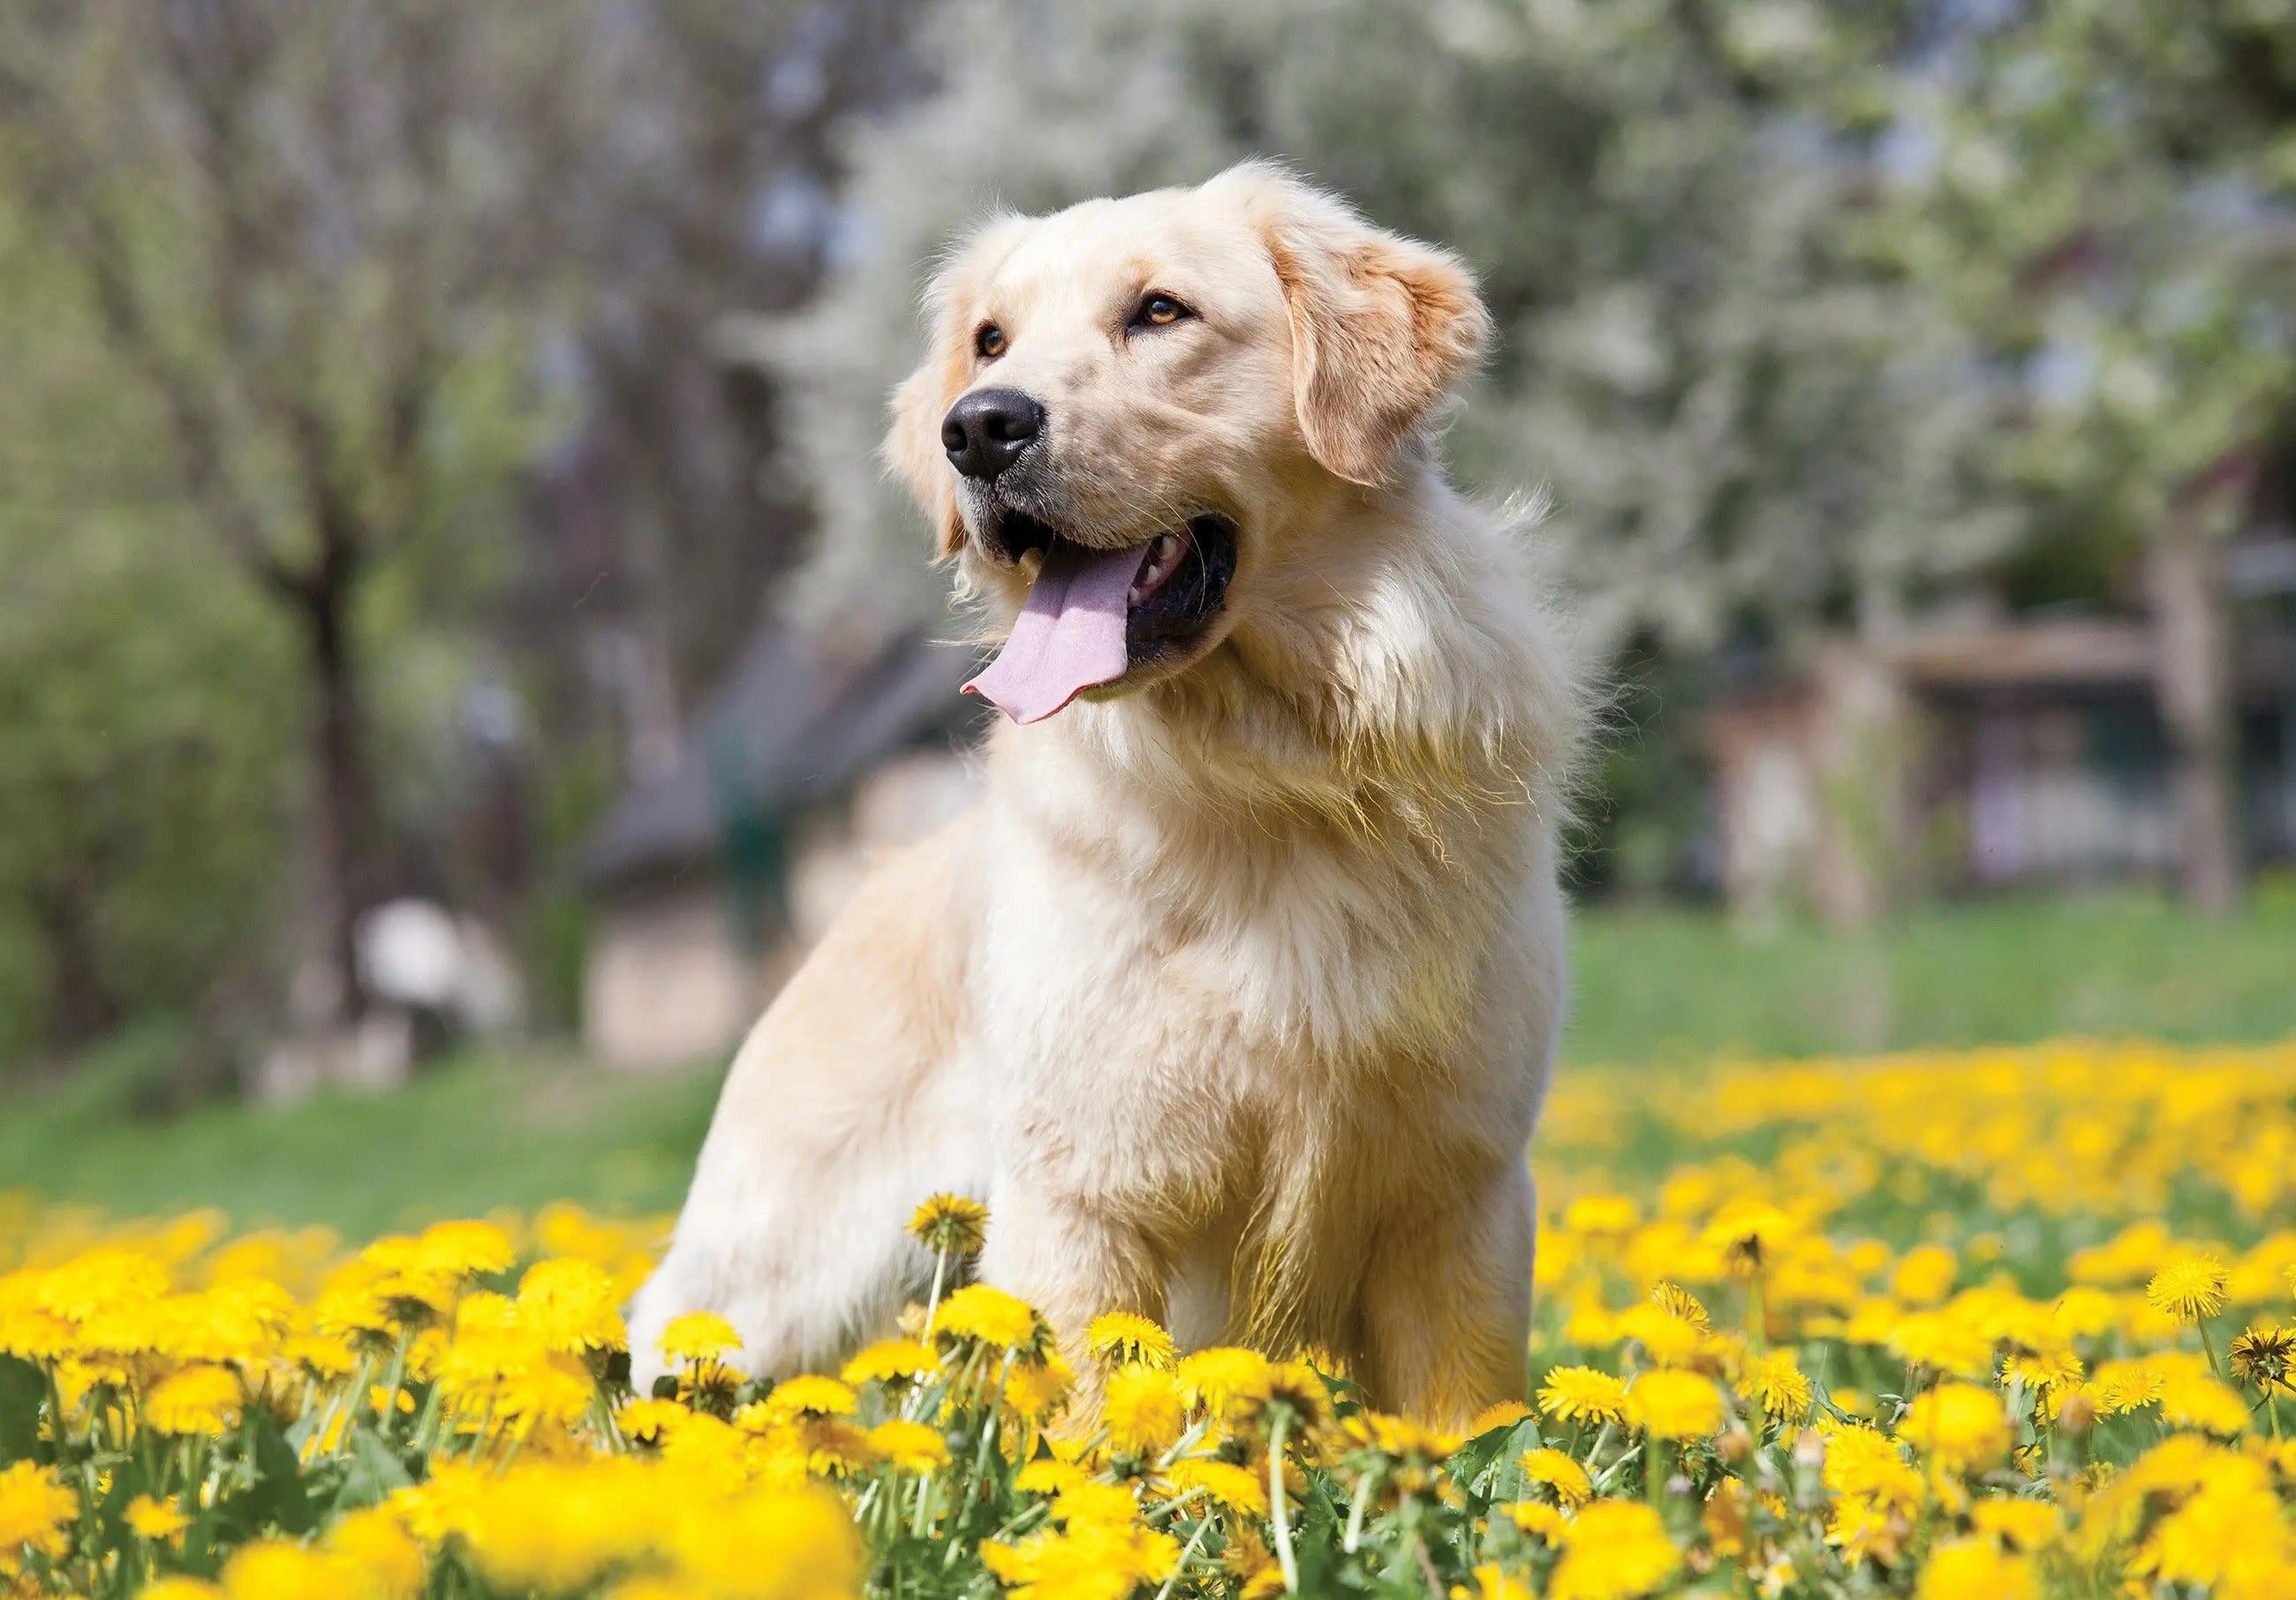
x=145, y=701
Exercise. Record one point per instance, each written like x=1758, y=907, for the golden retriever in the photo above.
x=1234, y=996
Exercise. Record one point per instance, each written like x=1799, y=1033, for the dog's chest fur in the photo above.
x=1176, y=999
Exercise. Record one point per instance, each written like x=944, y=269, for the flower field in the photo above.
x=1998, y=1324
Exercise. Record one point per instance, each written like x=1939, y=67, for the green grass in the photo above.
x=1670, y=985
x=1651, y=988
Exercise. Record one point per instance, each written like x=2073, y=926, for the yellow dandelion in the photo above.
x=1238, y=1489
x=1039, y=1386
x=197, y=1400
x=951, y=1225
x=162, y=1522
x=1537, y=1518
x=1581, y=1394
x=572, y=1306
x=892, y=1361
x=989, y=1315
x=651, y=1424
x=1119, y=1338
x=699, y=1336
x=2263, y=1356
x=911, y=1447
x=1223, y=1376
x=35, y=1512
x=1778, y=1386
x=1749, y=1232
x=1603, y=1216
x=1504, y=1414
x=1680, y=1301
x=1960, y=1426
x=1560, y=1472
x=1966, y=1569
x=1144, y=1411
x=2189, y=1288
x=1674, y=1405
x=809, y=1395
x=2024, y=1525
x=1612, y=1550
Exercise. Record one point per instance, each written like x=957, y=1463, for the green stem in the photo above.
x=2209, y=1345
x=932, y=1302
x=1195, y=1543
x=1279, y=1509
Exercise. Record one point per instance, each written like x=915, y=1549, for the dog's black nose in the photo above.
x=986, y=430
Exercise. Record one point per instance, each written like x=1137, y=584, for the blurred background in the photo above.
x=457, y=648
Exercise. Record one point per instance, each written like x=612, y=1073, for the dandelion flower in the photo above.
x=572, y=1306
x=699, y=1336
x=159, y=1521
x=198, y=1399
x=1774, y=1383
x=1144, y=1411
x=1560, y=1472
x=2020, y=1524
x=891, y=1361
x=1537, y=1518
x=1960, y=1426
x=911, y=1447
x=1581, y=1394
x=2189, y=1288
x=1612, y=1550
x=1602, y=1216
x=1220, y=1377
x=36, y=1509
x=951, y=1224
x=809, y=1395
x=1749, y=1232
x=1120, y=1339
x=2263, y=1356
x=1503, y=1413
x=1682, y=1304
x=1238, y=1489
x=1965, y=1568
x=989, y=1316
x=1675, y=1405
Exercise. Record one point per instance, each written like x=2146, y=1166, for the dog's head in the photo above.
x=1135, y=411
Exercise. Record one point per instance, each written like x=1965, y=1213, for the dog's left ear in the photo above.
x=1381, y=325
x=913, y=450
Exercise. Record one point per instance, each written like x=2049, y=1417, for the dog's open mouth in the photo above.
x=1093, y=615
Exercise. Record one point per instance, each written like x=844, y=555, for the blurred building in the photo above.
x=2026, y=752
x=819, y=751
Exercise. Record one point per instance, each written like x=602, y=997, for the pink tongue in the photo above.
x=1071, y=635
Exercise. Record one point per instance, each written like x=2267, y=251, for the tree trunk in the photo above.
x=81, y=1006
x=342, y=790
x=2193, y=677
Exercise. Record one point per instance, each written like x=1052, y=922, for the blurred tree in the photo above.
x=1748, y=424
x=2103, y=190
x=142, y=702
x=307, y=230
x=707, y=192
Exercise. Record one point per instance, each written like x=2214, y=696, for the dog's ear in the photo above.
x=913, y=450
x=1381, y=325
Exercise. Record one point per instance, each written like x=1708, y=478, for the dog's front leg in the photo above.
x=1446, y=1299
x=1054, y=1249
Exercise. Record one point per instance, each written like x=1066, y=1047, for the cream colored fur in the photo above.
x=1236, y=994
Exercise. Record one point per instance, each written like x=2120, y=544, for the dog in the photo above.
x=1234, y=995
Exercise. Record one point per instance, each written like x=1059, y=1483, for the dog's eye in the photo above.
x=989, y=341
x=1160, y=311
